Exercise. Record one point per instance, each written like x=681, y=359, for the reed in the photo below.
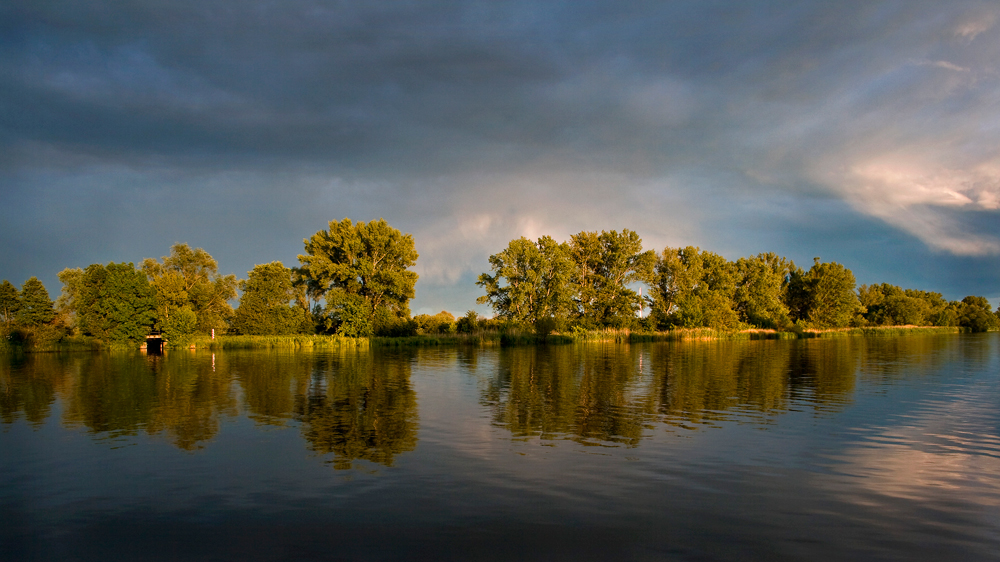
x=507, y=336
x=276, y=342
x=880, y=331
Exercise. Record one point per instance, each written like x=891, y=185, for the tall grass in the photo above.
x=507, y=336
x=276, y=342
x=514, y=336
x=695, y=334
x=880, y=331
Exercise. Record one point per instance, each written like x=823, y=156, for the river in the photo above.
x=838, y=449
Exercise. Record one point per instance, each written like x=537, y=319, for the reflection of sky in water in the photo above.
x=945, y=452
x=841, y=449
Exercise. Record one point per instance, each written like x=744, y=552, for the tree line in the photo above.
x=358, y=271
x=595, y=280
x=354, y=279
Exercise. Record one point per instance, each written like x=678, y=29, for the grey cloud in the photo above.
x=735, y=126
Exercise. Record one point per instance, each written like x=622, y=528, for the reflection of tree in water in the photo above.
x=192, y=392
x=585, y=392
x=271, y=380
x=609, y=393
x=112, y=393
x=699, y=382
x=885, y=359
x=181, y=394
x=29, y=384
x=359, y=405
x=822, y=371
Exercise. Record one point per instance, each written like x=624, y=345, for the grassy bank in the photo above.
x=510, y=337
x=276, y=342
x=45, y=340
x=526, y=337
x=756, y=334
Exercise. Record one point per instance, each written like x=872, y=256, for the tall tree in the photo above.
x=761, y=283
x=68, y=296
x=823, y=296
x=115, y=303
x=36, y=306
x=530, y=280
x=605, y=265
x=191, y=278
x=264, y=306
x=10, y=303
x=693, y=289
x=369, y=260
x=975, y=314
x=889, y=305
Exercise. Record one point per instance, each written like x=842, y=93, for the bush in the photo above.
x=181, y=325
x=545, y=326
x=468, y=323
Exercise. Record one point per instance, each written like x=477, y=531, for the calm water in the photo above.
x=761, y=450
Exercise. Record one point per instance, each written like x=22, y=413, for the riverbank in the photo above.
x=483, y=338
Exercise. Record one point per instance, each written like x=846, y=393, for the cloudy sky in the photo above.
x=866, y=133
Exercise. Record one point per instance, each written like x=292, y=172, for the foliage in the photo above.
x=693, y=289
x=190, y=278
x=365, y=260
x=761, y=284
x=824, y=296
x=10, y=302
x=264, y=306
x=975, y=315
x=468, y=323
x=530, y=280
x=389, y=325
x=441, y=323
x=348, y=315
x=36, y=307
x=68, y=296
x=181, y=325
x=889, y=305
x=545, y=326
x=605, y=265
x=115, y=303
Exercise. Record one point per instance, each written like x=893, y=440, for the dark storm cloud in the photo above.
x=737, y=126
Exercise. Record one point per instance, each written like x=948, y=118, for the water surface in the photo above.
x=875, y=449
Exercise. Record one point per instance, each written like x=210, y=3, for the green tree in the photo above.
x=605, y=265
x=264, y=306
x=761, y=283
x=181, y=325
x=349, y=315
x=935, y=304
x=530, y=280
x=36, y=307
x=693, y=289
x=468, y=323
x=191, y=278
x=441, y=323
x=368, y=260
x=824, y=296
x=115, y=303
x=10, y=303
x=69, y=295
x=975, y=313
x=889, y=305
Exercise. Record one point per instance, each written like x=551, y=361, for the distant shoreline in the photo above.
x=495, y=338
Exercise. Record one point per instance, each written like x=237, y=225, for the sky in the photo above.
x=865, y=133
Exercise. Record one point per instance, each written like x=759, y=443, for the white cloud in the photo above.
x=971, y=28
x=913, y=193
x=946, y=65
